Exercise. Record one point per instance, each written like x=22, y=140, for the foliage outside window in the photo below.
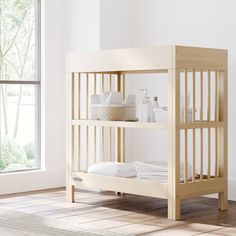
x=19, y=85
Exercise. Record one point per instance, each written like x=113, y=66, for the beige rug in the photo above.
x=13, y=223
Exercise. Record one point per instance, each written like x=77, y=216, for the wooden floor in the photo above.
x=131, y=214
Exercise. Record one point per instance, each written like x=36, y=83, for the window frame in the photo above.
x=38, y=92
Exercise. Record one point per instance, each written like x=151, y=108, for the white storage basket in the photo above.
x=113, y=112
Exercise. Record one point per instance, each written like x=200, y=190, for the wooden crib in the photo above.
x=201, y=142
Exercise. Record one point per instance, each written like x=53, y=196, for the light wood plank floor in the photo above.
x=131, y=214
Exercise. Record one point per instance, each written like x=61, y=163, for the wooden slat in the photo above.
x=87, y=95
x=102, y=128
x=72, y=135
x=110, y=128
x=73, y=115
x=118, y=129
x=185, y=95
x=216, y=96
x=216, y=119
x=194, y=132
x=79, y=114
x=122, y=145
x=185, y=121
x=216, y=154
x=223, y=138
x=201, y=129
x=70, y=141
x=185, y=155
x=174, y=144
x=201, y=96
x=209, y=118
x=87, y=128
x=110, y=82
x=73, y=96
x=123, y=129
x=209, y=96
x=95, y=128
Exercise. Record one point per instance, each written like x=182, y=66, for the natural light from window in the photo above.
x=19, y=85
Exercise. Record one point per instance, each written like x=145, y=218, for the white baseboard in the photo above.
x=232, y=189
x=31, y=180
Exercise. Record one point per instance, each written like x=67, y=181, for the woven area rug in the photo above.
x=13, y=223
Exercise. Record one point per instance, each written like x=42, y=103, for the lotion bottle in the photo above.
x=145, y=108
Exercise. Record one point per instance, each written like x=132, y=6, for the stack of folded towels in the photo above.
x=152, y=170
x=156, y=170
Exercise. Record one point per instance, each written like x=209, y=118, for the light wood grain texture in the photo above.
x=209, y=130
x=223, y=138
x=171, y=60
x=118, y=184
x=110, y=128
x=95, y=128
x=118, y=129
x=185, y=121
x=102, y=83
x=201, y=129
x=193, y=130
x=144, y=59
x=201, y=58
x=69, y=144
x=79, y=128
x=124, y=124
x=216, y=119
x=174, y=145
x=202, y=187
x=87, y=115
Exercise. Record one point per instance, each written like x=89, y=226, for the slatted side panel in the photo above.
x=203, y=122
x=94, y=144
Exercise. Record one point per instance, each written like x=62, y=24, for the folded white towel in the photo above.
x=113, y=169
x=147, y=175
x=157, y=167
x=157, y=170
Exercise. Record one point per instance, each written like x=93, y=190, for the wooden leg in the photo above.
x=70, y=193
x=223, y=200
x=174, y=208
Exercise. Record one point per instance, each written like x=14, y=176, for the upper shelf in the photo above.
x=122, y=124
x=147, y=59
x=148, y=125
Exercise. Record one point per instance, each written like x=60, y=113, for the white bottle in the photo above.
x=155, y=109
x=145, y=108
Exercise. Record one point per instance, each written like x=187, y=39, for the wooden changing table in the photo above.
x=202, y=71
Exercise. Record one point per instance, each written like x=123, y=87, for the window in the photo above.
x=19, y=85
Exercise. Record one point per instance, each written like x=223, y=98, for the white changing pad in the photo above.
x=113, y=169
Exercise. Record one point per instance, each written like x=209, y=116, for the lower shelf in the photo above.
x=118, y=184
x=150, y=188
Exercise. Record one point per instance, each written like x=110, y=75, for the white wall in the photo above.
x=115, y=23
x=53, y=107
x=82, y=25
